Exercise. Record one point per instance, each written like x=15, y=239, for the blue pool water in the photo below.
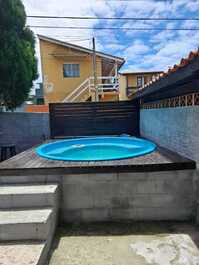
x=96, y=148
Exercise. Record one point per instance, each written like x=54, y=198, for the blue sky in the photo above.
x=142, y=50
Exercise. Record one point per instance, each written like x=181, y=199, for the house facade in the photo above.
x=67, y=72
x=130, y=82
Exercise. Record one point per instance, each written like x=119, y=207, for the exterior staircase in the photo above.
x=28, y=218
x=81, y=93
x=87, y=89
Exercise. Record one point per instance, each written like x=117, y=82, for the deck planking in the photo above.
x=159, y=160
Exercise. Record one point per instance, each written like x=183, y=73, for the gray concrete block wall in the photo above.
x=174, y=128
x=149, y=196
x=24, y=129
x=167, y=195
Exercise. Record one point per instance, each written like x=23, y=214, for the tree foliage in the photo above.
x=18, y=65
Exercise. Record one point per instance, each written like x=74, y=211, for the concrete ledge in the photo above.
x=168, y=195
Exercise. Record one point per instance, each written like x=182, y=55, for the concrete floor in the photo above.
x=20, y=253
x=154, y=243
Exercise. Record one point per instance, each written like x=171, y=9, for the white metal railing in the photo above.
x=104, y=84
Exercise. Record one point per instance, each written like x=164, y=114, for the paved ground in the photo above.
x=127, y=244
x=20, y=253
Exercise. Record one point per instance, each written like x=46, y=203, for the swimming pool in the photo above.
x=95, y=148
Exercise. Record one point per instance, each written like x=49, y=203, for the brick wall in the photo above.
x=37, y=108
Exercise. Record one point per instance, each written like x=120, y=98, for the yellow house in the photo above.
x=130, y=82
x=67, y=72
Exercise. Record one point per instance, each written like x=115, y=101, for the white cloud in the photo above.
x=170, y=54
x=61, y=8
x=149, y=50
x=138, y=48
x=115, y=46
x=193, y=5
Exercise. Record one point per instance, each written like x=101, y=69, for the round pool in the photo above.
x=95, y=148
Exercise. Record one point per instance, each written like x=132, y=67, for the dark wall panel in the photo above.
x=94, y=118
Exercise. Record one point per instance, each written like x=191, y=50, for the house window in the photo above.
x=140, y=81
x=71, y=70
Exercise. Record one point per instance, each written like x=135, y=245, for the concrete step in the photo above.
x=29, y=179
x=22, y=196
x=22, y=253
x=34, y=224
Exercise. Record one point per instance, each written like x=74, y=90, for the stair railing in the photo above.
x=104, y=84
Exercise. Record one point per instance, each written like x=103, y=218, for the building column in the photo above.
x=116, y=69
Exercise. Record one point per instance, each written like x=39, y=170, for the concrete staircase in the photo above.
x=28, y=217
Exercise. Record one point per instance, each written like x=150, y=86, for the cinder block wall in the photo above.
x=145, y=196
x=174, y=128
x=168, y=195
x=23, y=129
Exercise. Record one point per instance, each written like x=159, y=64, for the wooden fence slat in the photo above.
x=94, y=118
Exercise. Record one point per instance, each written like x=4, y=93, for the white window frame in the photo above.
x=75, y=73
x=142, y=80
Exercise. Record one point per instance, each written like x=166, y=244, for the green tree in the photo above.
x=18, y=65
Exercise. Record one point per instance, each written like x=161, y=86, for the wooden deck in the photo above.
x=159, y=160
